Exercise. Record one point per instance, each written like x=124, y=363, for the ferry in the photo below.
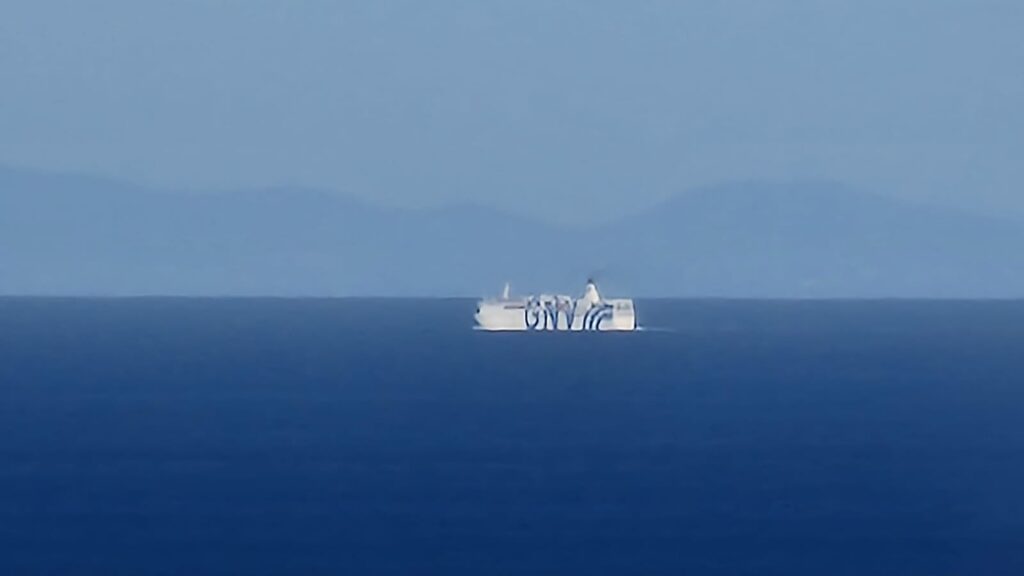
x=588, y=313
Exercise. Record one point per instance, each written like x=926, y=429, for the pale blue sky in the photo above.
x=564, y=110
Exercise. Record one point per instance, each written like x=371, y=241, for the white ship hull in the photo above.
x=556, y=313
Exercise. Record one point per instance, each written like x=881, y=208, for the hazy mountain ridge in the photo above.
x=67, y=234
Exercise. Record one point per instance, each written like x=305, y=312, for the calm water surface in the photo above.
x=176, y=436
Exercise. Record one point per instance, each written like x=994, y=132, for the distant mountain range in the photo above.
x=77, y=235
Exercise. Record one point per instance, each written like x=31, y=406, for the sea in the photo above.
x=387, y=437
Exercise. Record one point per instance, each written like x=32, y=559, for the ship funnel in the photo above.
x=590, y=293
x=505, y=292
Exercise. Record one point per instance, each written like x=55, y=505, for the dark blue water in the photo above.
x=386, y=437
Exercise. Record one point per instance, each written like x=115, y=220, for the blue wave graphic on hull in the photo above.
x=545, y=315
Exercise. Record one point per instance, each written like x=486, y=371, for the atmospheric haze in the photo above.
x=743, y=148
